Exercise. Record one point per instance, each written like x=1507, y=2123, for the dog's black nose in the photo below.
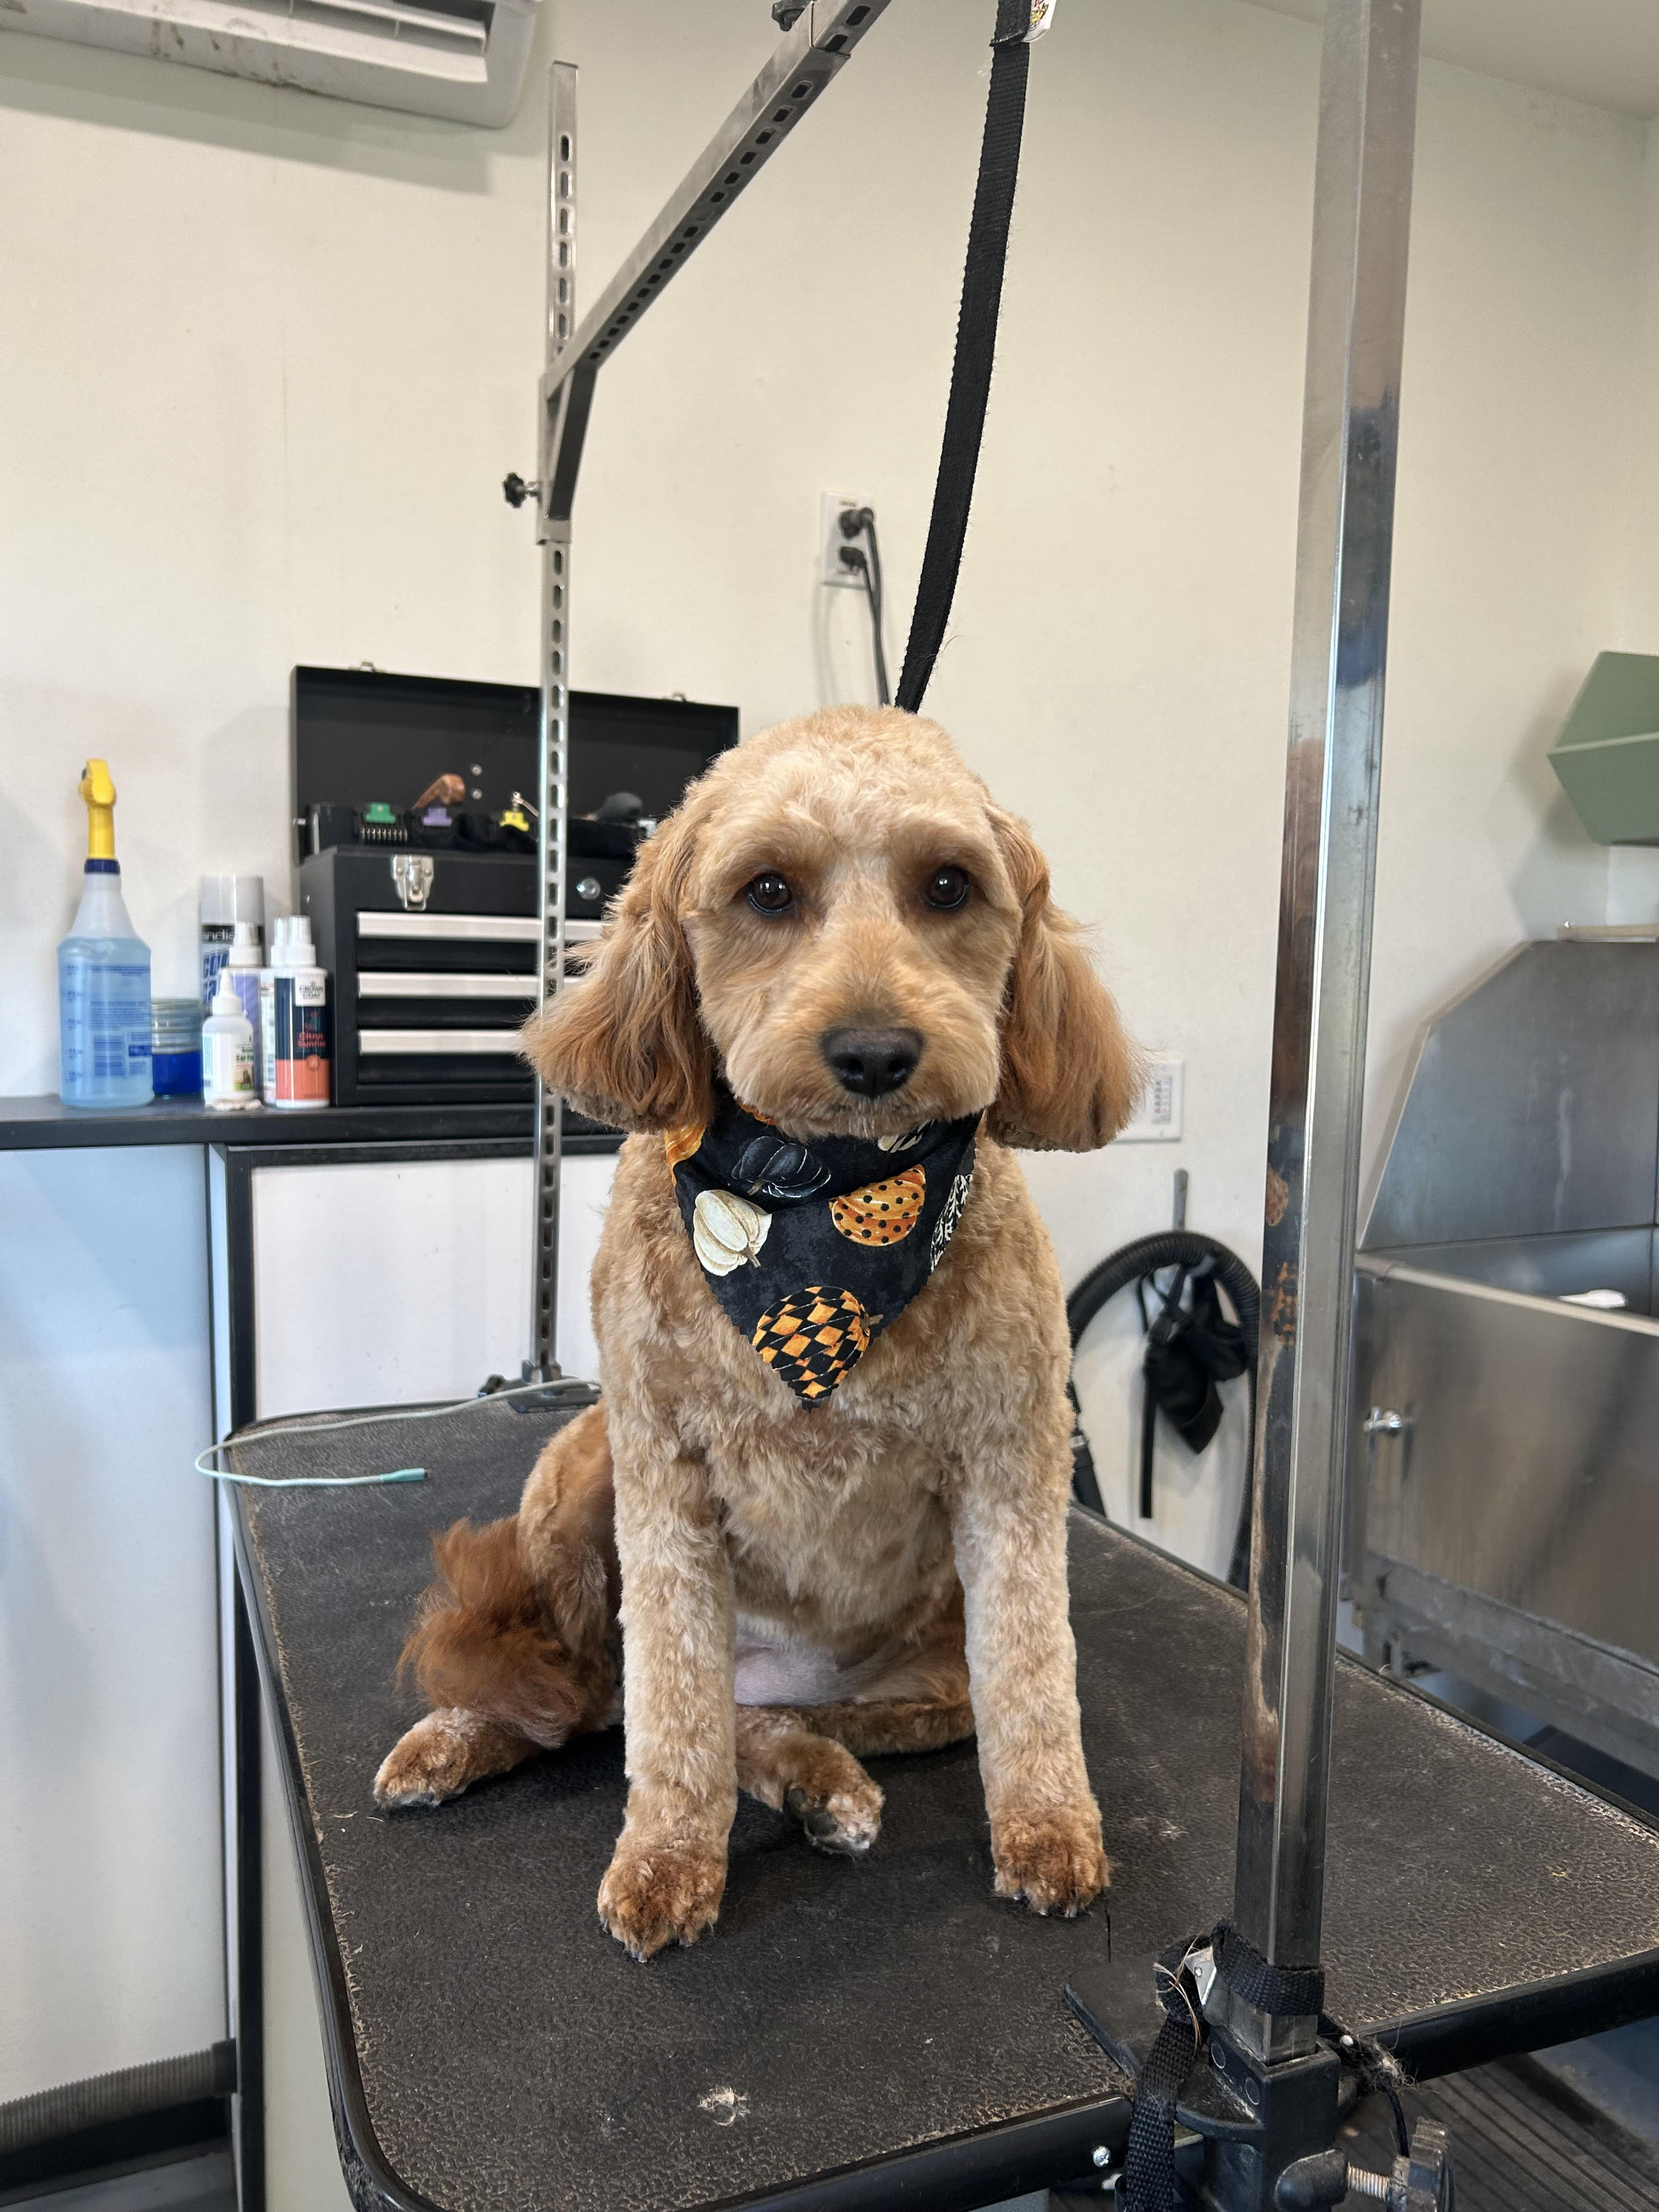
x=872, y=1061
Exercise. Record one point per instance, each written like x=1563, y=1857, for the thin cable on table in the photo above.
x=356, y=1421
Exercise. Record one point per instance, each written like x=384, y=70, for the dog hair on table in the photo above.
x=766, y=1590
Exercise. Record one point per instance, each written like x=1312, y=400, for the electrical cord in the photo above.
x=861, y=522
x=357, y=1421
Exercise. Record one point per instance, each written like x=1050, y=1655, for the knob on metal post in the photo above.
x=515, y=488
x=1420, y=2182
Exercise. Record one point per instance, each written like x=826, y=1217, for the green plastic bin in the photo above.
x=1608, y=753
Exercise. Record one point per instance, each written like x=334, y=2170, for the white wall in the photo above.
x=266, y=358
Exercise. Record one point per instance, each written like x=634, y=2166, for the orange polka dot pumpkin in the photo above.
x=882, y=1212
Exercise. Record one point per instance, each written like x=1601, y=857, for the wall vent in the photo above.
x=461, y=59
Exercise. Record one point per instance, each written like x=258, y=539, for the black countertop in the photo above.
x=38, y=1124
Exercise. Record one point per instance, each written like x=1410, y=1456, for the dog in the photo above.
x=842, y=1532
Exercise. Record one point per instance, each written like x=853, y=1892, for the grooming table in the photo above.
x=855, y=2034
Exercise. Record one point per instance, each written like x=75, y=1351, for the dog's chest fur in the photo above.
x=836, y=1517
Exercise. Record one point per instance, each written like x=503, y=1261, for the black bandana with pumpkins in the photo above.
x=814, y=1249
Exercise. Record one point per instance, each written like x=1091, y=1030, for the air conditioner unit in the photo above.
x=461, y=59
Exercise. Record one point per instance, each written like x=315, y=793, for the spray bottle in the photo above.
x=300, y=1010
x=227, y=901
x=103, y=974
x=242, y=971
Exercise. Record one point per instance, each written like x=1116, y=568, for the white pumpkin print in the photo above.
x=903, y=1142
x=726, y=1230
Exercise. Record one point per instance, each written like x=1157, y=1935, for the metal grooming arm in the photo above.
x=807, y=57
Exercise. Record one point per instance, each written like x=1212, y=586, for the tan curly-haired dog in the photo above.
x=803, y=1584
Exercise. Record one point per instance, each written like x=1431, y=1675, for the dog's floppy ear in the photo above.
x=625, y=1045
x=1069, y=1076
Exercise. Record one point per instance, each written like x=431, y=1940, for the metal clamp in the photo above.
x=411, y=877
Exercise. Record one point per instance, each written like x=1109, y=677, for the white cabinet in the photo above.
x=386, y=1274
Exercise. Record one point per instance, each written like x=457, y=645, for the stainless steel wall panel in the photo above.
x=1535, y=1104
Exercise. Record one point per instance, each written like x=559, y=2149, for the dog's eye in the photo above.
x=770, y=894
x=946, y=888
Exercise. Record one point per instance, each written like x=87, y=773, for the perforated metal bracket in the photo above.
x=808, y=57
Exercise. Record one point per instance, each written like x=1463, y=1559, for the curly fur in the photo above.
x=896, y=1556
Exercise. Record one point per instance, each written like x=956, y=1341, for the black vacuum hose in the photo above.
x=1169, y=1248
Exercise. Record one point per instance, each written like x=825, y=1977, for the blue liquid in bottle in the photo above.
x=103, y=999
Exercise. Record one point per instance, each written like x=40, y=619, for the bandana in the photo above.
x=813, y=1249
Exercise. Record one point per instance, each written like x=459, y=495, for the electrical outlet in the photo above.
x=831, y=568
x=1157, y=1119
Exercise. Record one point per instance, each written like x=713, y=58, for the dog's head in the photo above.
x=840, y=921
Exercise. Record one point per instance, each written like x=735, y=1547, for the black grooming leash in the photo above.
x=976, y=344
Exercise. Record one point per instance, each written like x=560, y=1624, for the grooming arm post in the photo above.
x=806, y=58
x=1362, y=206
x=553, y=782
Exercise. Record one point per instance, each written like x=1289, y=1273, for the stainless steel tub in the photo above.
x=1504, y=1491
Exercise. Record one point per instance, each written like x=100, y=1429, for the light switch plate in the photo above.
x=1157, y=1119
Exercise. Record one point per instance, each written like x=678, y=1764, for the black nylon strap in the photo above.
x=1282, y=1992
x=976, y=341
x=1149, y=2173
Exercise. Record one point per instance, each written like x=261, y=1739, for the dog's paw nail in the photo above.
x=404, y=1782
x=845, y=1823
x=664, y=1895
x=1054, y=1860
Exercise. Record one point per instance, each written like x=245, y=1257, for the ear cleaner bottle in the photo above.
x=228, y=1051
x=103, y=974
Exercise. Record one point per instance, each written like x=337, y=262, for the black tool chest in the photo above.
x=426, y=918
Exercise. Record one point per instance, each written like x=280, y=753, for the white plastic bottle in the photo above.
x=241, y=972
x=226, y=901
x=103, y=974
x=227, y=1052
x=302, y=1044
x=279, y=929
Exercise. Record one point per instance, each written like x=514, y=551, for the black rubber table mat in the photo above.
x=511, y=2054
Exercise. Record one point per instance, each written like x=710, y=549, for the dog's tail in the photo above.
x=520, y=1626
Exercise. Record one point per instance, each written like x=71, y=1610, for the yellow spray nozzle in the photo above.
x=99, y=792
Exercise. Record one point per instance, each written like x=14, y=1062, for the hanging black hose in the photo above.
x=1188, y=1351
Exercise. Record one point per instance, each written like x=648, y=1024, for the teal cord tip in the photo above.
x=405, y=1475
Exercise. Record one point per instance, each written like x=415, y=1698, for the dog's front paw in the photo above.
x=1051, y=1857
x=844, y=1820
x=438, y=1758
x=655, y=1893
